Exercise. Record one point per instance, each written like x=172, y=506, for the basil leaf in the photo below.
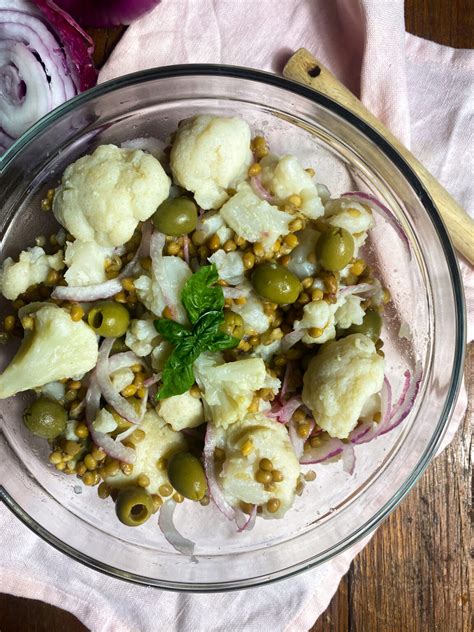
x=222, y=341
x=171, y=330
x=198, y=295
x=188, y=350
x=177, y=378
x=207, y=326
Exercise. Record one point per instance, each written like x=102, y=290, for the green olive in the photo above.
x=233, y=324
x=133, y=506
x=371, y=325
x=109, y=319
x=335, y=248
x=176, y=216
x=186, y=474
x=275, y=283
x=45, y=418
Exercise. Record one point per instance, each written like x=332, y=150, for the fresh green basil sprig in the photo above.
x=204, y=305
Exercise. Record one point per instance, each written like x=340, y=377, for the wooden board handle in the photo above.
x=304, y=68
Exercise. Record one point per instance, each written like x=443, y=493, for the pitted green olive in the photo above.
x=371, y=325
x=335, y=248
x=187, y=476
x=133, y=506
x=275, y=283
x=109, y=319
x=176, y=216
x=233, y=324
x=45, y=418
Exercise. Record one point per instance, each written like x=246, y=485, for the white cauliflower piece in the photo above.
x=103, y=196
x=354, y=217
x=285, y=177
x=53, y=390
x=252, y=312
x=339, y=380
x=266, y=352
x=104, y=421
x=209, y=154
x=228, y=388
x=121, y=378
x=254, y=219
x=160, y=442
x=300, y=263
x=160, y=354
x=55, y=349
x=230, y=266
x=350, y=312
x=141, y=336
x=156, y=295
x=86, y=262
x=319, y=315
x=237, y=478
x=32, y=267
x=182, y=411
x=213, y=224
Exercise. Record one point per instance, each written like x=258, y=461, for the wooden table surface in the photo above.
x=414, y=574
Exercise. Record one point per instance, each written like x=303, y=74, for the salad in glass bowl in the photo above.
x=203, y=324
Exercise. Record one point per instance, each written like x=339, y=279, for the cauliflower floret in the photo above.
x=160, y=442
x=228, y=388
x=182, y=411
x=229, y=266
x=32, y=267
x=339, y=380
x=53, y=390
x=301, y=263
x=121, y=378
x=350, y=312
x=254, y=219
x=354, y=217
x=141, y=337
x=318, y=315
x=285, y=177
x=86, y=263
x=55, y=349
x=266, y=352
x=103, y=196
x=252, y=312
x=160, y=354
x=209, y=154
x=213, y=224
x=156, y=295
x=104, y=421
x=269, y=440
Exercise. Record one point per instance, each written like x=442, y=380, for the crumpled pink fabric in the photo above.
x=423, y=92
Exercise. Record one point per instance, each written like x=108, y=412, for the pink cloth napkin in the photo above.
x=423, y=92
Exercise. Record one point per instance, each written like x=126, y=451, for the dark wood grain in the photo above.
x=414, y=574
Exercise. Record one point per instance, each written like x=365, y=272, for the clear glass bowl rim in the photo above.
x=398, y=161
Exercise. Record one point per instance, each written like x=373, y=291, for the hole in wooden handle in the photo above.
x=315, y=71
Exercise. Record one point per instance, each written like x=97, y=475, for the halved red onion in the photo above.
x=249, y=523
x=283, y=413
x=111, y=447
x=111, y=396
x=215, y=491
x=376, y=205
x=260, y=190
x=328, y=449
x=292, y=338
x=172, y=535
x=105, y=12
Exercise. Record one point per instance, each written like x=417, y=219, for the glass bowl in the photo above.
x=425, y=327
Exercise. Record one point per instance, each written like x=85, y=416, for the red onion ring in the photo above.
x=124, y=360
x=215, y=491
x=260, y=190
x=289, y=340
x=172, y=535
x=249, y=524
x=186, y=248
x=361, y=288
x=326, y=450
x=283, y=413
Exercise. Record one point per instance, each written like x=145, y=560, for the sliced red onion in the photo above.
x=284, y=385
x=111, y=447
x=125, y=434
x=118, y=403
x=296, y=441
x=215, y=491
x=370, y=200
x=369, y=430
x=400, y=413
x=156, y=377
x=105, y=12
x=249, y=523
x=283, y=413
x=361, y=288
x=91, y=293
x=289, y=340
x=260, y=190
x=172, y=535
x=328, y=449
x=124, y=360
x=348, y=459
x=186, y=248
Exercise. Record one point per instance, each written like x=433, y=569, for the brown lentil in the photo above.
x=213, y=243
x=248, y=260
x=317, y=294
x=90, y=462
x=81, y=431
x=295, y=225
x=129, y=391
x=315, y=442
x=273, y=505
x=266, y=465
x=284, y=261
x=254, y=170
x=303, y=429
x=277, y=476
x=103, y=491
x=81, y=469
x=111, y=467
x=230, y=245
x=310, y=476
x=165, y=490
x=55, y=457
x=205, y=501
x=263, y=477
x=70, y=395
x=60, y=466
x=259, y=146
x=127, y=468
x=311, y=172
x=120, y=297
x=178, y=498
x=315, y=332
x=195, y=391
x=258, y=249
x=157, y=502
x=143, y=480
x=145, y=263
x=9, y=323
x=199, y=238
